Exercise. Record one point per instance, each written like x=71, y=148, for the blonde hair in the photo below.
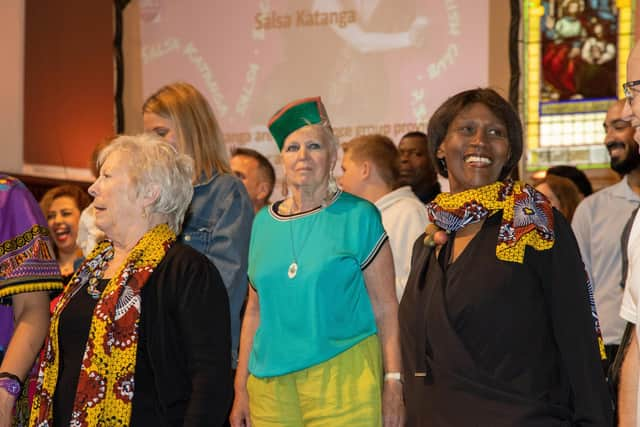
x=379, y=150
x=197, y=130
x=151, y=161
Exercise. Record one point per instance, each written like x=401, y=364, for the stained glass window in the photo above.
x=574, y=62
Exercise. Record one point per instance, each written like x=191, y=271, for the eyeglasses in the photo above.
x=628, y=89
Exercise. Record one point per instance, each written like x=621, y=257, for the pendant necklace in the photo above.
x=292, y=271
x=293, y=267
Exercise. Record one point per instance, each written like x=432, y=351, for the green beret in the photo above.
x=297, y=114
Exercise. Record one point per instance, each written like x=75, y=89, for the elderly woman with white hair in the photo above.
x=130, y=341
x=321, y=320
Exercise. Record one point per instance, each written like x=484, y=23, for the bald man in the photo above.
x=628, y=390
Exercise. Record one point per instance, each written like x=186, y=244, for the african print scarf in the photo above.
x=106, y=383
x=527, y=218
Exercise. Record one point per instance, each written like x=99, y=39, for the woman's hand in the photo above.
x=240, y=411
x=392, y=404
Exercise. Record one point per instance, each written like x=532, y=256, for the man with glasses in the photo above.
x=628, y=390
x=598, y=231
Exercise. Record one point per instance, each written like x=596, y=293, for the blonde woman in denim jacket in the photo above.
x=218, y=222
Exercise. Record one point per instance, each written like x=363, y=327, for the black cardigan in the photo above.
x=185, y=338
x=495, y=343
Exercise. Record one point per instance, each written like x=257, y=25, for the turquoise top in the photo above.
x=325, y=308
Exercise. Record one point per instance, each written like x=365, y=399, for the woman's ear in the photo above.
x=440, y=152
x=151, y=194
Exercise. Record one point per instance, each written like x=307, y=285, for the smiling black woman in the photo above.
x=497, y=320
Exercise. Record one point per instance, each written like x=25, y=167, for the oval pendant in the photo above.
x=293, y=270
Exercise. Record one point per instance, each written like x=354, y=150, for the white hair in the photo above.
x=152, y=162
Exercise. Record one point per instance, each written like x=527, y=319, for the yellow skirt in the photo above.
x=346, y=390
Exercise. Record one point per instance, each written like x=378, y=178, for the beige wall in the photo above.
x=499, y=71
x=132, y=48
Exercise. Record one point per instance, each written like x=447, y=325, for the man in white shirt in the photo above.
x=370, y=168
x=628, y=390
x=598, y=231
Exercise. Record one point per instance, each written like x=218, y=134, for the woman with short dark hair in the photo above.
x=61, y=207
x=497, y=322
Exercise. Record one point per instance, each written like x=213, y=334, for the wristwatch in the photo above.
x=10, y=383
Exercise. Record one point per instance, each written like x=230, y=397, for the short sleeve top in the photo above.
x=324, y=309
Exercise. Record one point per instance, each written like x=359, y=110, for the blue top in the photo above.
x=218, y=224
x=325, y=308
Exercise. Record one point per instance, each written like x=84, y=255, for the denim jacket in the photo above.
x=218, y=224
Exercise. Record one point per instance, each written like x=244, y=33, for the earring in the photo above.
x=285, y=188
x=443, y=165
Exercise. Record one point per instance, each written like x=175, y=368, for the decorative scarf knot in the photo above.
x=527, y=217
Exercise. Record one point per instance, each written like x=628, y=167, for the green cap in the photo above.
x=297, y=114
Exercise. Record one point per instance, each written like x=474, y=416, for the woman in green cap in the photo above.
x=321, y=320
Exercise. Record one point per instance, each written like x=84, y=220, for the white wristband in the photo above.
x=393, y=376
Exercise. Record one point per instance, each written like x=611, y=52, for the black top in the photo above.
x=183, y=368
x=512, y=344
x=74, y=325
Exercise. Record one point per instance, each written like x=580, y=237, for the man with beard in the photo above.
x=416, y=169
x=598, y=231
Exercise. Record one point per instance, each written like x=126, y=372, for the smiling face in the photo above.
x=619, y=141
x=62, y=218
x=117, y=206
x=631, y=110
x=475, y=149
x=164, y=128
x=307, y=158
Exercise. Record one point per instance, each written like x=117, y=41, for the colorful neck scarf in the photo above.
x=527, y=218
x=106, y=383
